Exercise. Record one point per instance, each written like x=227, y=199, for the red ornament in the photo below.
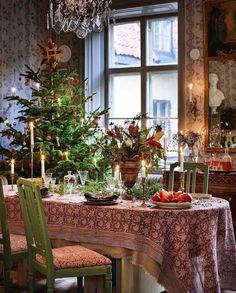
x=30, y=165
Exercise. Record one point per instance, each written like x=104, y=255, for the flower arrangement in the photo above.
x=133, y=142
x=189, y=138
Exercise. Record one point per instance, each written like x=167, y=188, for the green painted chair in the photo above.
x=191, y=170
x=12, y=247
x=69, y=261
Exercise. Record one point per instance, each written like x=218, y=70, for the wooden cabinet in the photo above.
x=221, y=184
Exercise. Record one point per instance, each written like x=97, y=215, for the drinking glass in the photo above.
x=83, y=175
x=48, y=177
x=53, y=183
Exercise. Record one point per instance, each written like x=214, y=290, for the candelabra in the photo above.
x=181, y=179
x=12, y=181
x=143, y=185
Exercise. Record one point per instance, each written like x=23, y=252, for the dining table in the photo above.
x=185, y=249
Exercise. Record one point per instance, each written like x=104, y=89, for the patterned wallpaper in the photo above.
x=22, y=27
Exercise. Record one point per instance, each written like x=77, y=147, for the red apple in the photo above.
x=185, y=197
x=156, y=197
x=163, y=193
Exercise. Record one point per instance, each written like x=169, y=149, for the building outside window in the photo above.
x=142, y=70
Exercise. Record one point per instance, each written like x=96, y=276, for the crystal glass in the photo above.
x=83, y=175
x=53, y=183
x=69, y=182
x=48, y=177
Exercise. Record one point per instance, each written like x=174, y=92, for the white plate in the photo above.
x=66, y=53
x=172, y=205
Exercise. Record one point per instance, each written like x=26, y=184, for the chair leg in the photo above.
x=22, y=272
x=7, y=279
x=80, y=284
x=50, y=284
x=108, y=281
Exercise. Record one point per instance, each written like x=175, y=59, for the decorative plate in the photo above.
x=172, y=205
x=66, y=53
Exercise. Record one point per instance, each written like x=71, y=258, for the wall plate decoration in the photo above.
x=194, y=54
x=66, y=53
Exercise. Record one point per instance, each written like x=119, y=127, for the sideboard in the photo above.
x=221, y=184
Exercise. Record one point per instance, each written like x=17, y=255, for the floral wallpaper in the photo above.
x=22, y=27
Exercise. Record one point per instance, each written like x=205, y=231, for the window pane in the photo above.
x=162, y=41
x=162, y=94
x=124, y=42
x=125, y=97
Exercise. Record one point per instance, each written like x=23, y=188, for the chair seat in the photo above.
x=75, y=257
x=18, y=243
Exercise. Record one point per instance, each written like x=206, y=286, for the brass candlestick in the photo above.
x=181, y=179
x=144, y=185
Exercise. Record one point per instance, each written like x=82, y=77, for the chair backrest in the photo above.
x=34, y=220
x=191, y=170
x=5, y=238
x=3, y=179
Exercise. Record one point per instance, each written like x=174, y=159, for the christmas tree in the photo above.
x=53, y=123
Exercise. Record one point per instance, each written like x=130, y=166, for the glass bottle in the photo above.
x=227, y=161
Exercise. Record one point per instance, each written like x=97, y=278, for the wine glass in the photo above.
x=53, y=183
x=83, y=175
x=48, y=177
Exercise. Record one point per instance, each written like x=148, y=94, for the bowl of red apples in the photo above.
x=174, y=199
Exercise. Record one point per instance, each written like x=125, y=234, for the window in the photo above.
x=142, y=68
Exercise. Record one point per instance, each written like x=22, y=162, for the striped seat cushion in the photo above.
x=75, y=257
x=18, y=243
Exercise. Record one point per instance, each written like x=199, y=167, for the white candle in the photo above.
x=12, y=166
x=66, y=154
x=13, y=90
x=181, y=160
x=117, y=172
x=190, y=92
x=37, y=86
x=31, y=133
x=143, y=170
x=165, y=145
x=42, y=166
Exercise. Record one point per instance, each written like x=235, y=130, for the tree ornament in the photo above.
x=30, y=165
x=22, y=169
x=50, y=53
x=49, y=136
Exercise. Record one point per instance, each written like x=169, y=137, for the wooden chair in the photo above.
x=12, y=247
x=191, y=170
x=69, y=261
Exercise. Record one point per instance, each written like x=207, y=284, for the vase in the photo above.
x=129, y=171
x=191, y=153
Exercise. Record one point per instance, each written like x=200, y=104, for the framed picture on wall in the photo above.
x=221, y=27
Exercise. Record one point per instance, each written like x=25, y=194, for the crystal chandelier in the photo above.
x=79, y=16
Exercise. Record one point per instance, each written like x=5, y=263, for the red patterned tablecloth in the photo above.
x=195, y=247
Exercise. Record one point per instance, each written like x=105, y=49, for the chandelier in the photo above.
x=79, y=16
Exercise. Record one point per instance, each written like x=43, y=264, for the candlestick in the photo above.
x=181, y=160
x=143, y=170
x=165, y=146
x=31, y=133
x=42, y=166
x=190, y=92
x=143, y=185
x=181, y=179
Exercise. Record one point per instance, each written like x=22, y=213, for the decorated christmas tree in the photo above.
x=54, y=123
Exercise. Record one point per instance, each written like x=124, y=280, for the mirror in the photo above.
x=220, y=72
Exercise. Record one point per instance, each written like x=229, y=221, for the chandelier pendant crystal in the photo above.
x=79, y=16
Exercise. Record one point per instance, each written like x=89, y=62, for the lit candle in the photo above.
x=13, y=90
x=37, y=86
x=42, y=166
x=12, y=166
x=82, y=121
x=190, y=92
x=59, y=102
x=165, y=145
x=181, y=160
x=117, y=172
x=143, y=170
x=66, y=154
x=31, y=133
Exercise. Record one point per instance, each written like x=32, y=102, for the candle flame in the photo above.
x=143, y=163
x=190, y=86
x=31, y=124
x=42, y=157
